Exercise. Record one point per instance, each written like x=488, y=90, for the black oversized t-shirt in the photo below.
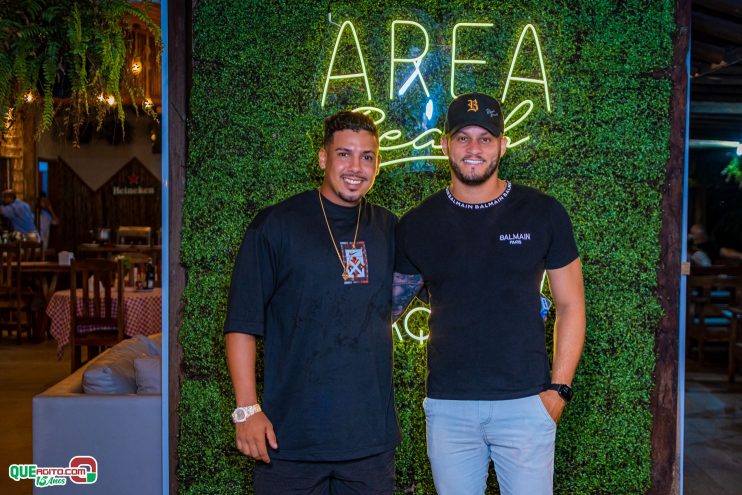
x=483, y=266
x=327, y=343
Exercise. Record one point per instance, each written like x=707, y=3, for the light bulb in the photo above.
x=136, y=66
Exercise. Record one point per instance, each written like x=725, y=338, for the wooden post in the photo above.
x=665, y=460
x=180, y=24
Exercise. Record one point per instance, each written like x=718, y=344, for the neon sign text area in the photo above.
x=431, y=137
x=347, y=29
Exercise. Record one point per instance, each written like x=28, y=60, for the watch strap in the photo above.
x=241, y=414
x=564, y=390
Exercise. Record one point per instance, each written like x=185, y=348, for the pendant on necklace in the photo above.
x=345, y=275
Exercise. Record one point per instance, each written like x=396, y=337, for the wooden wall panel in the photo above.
x=80, y=209
x=131, y=209
x=74, y=203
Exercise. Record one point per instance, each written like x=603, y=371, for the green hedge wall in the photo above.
x=254, y=129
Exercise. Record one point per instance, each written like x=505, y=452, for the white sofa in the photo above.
x=123, y=432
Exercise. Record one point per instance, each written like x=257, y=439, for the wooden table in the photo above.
x=107, y=250
x=47, y=272
x=142, y=314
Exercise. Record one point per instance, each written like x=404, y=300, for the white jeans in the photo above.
x=518, y=435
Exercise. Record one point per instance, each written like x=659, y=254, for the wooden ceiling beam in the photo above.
x=726, y=7
x=717, y=27
x=707, y=52
x=731, y=58
x=718, y=81
x=718, y=89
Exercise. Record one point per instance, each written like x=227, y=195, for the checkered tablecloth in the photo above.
x=142, y=314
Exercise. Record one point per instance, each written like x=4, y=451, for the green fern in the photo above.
x=733, y=171
x=79, y=42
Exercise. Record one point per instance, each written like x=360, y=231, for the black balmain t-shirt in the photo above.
x=483, y=266
x=327, y=342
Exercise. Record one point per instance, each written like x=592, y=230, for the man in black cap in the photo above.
x=491, y=392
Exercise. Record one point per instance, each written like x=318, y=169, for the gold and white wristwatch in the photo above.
x=241, y=414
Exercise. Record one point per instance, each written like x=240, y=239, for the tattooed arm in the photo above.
x=404, y=288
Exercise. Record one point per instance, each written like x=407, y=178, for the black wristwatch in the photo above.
x=564, y=391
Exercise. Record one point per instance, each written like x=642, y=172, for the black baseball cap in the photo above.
x=475, y=109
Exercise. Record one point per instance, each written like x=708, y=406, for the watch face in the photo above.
x=566, y=392
x=239, y=415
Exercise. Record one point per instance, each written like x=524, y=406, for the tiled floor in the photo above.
x=713, y=432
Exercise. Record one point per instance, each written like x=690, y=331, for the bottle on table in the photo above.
x=149, y=281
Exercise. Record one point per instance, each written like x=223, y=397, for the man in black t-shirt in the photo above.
x=480, y=248
x=313, y=279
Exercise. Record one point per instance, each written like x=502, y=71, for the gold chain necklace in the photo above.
x=345, y=274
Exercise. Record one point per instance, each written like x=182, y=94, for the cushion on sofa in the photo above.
x=113, y=372
x=148, y=371
x=155, y=341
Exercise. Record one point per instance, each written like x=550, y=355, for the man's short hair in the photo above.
x=9, y=192
x=348, y=120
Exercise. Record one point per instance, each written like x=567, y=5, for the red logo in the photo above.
x=87, y=462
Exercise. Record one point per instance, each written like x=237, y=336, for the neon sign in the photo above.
x=414, y=61
x=421, y=337
x=433, y=135
x=346, y=76
x=528, y=28
x=392, y=140
x=454, y=60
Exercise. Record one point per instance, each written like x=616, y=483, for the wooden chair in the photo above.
x=14, y=301
x=102, y=284
x=31, y=251
x=735, y=341
x=134, y=235
x=708, y=298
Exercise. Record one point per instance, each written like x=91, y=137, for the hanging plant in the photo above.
x=733, y=171
x=68, y=57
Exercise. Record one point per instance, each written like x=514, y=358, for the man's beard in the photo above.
x=474, y=180
x=354, y=198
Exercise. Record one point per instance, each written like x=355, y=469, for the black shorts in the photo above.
x=373, y=475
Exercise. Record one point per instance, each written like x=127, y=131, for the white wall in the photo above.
x=97, y=161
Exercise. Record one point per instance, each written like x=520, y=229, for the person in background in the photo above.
x=47, y=218
x=18, y=213
x=710, y=250
x=696, y=256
